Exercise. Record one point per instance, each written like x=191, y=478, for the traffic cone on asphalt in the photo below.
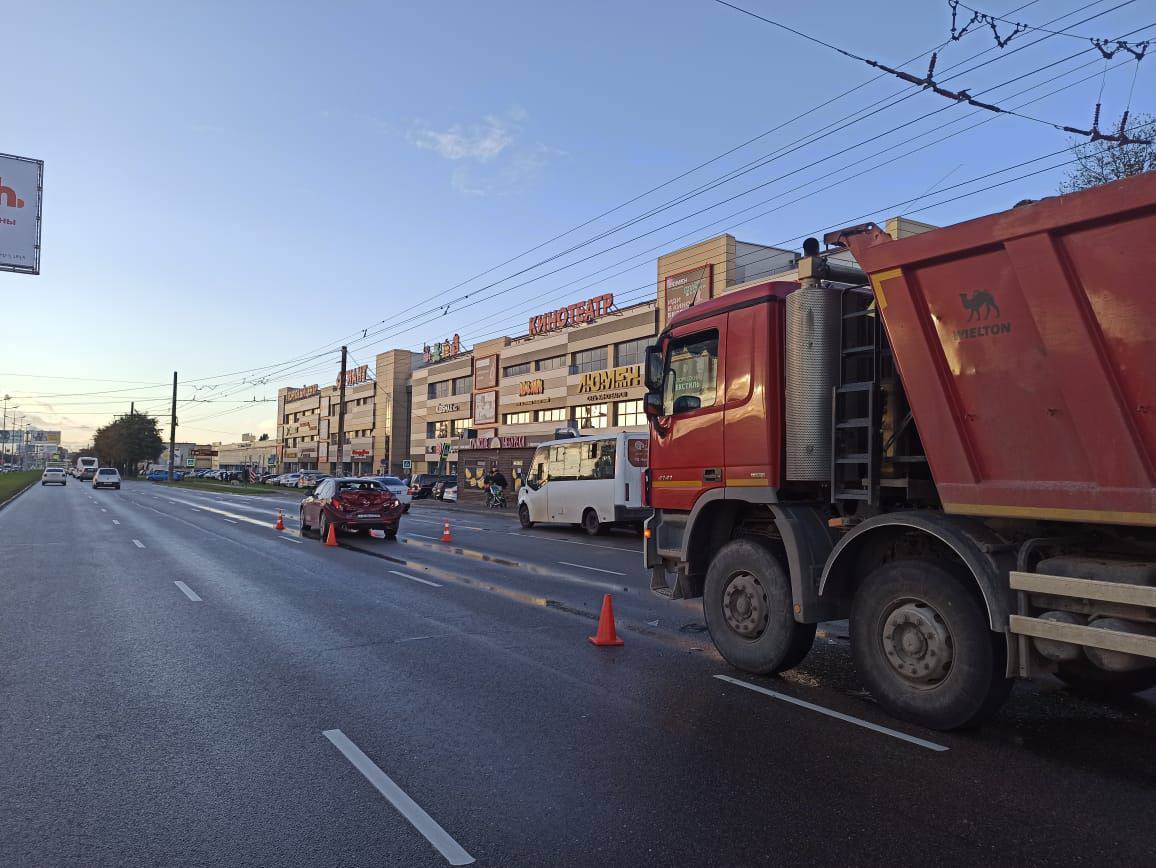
x=606, y=634
x=280, y=525
x=446, y=532
x=331, y=540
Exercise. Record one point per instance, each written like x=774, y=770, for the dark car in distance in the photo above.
x=422, y=485
x=350, y=504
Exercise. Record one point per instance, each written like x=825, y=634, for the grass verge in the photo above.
x=213, y=485
x=11, y=484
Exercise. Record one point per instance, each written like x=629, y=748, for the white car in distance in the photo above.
x=106, y=477
x=54, y=476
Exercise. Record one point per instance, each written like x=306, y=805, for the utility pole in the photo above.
x=132, y=408
x=4, y=430
x=173, y=429
x=341, y=416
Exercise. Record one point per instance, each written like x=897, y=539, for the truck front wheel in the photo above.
x=747, y=604
x=922, y=645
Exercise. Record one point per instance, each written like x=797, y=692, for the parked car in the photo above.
x=399, y=489
x=289, y=479
x=157, y=475
x=350, y=504
x=273, y=480
x=106, y=477
x=53, y=476
x=450, y=495
x=423, y=484
x=310, y=479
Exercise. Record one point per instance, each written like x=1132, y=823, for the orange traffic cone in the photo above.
x=606, y=634
x=280, y=525
x=446, y=532
x=331, y=540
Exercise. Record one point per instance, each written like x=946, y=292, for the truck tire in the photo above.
x=922, y=645
x=747, y=605
x=1083, y=677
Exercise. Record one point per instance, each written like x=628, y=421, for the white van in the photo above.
x=593, y=481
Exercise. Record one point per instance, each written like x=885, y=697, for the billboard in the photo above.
x=19, y=435
x=684, y=289
x=21, y=186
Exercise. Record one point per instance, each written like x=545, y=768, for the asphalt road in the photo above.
x=180, y=684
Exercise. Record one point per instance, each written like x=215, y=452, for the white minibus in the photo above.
x=593, y=481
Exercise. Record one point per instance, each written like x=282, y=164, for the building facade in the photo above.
x=577, y=368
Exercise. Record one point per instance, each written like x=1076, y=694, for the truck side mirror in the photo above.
x=686, y=404
x=653, y=378
x=652, y=405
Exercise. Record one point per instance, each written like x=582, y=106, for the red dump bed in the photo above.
x=1027, y=346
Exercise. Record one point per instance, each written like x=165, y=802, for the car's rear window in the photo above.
x=358, y=485
x=391, y=480
x=105, y=471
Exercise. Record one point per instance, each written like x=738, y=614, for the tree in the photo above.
x=263, y=437
x=1101, y=162
x=128, y=441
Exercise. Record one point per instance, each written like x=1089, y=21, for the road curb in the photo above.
x=8, y=500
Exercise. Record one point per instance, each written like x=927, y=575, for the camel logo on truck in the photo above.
x=981, y=300
x=979, y=306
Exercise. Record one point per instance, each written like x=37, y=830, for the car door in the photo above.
x=690, y=431
x=314, y=503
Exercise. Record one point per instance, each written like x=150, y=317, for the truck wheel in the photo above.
x=747, y=604
x=591, y=524
x=922, y=644
x=524, y=516
x=1083, y=677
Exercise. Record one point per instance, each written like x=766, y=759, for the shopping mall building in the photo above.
x=452, y=410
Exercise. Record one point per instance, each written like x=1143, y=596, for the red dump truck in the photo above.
x=954, y=448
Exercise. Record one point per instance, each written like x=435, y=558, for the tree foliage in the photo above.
x=1103, y=162
x=128, y=441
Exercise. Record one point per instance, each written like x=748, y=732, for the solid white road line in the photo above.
x=407, y=807
x=114, y=521
x=416, y=579
x=194, y=509
x=188, y=591
x=232, y=521
x=422, y=536
x=102, y=509
x=846, y=718
x=289, y=539
x=572, y=542
x=596, y=569
x=138, y=543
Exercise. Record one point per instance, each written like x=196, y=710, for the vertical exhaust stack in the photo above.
x=812, y=369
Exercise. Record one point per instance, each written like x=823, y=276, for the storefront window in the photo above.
x=460, y=426
x=556, y=415
x=631, y=352
x=516, y=418
x=629, y=413
x=589, y=360
x=437, y=430
x=592, y=416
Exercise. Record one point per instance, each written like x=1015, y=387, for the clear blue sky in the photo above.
x=229, y=185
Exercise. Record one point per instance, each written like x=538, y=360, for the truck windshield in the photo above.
x=691, y=370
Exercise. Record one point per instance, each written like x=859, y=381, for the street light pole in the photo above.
x=341, y=416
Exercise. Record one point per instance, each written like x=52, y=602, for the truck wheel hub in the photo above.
x=917, y=643
x=745, y=606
